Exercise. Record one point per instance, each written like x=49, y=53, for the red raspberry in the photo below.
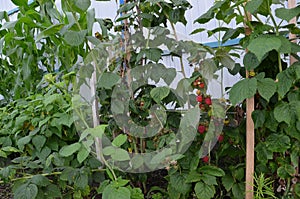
x=199, y=98
x=205, y=159
x=221, y=138
x=208, y=101
x=201, y=85
x=201, y=129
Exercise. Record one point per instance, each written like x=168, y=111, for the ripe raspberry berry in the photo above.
x=201, y=129
x=201, y=85
x=199, y=98
x=208, y=101
x=205, y=159
x=221, y=138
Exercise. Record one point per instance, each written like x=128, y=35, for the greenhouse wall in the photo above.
x=108, y=9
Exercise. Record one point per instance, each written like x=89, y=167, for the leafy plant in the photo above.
x=263, y=187
x=51, y=148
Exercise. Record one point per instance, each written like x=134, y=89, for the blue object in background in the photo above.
x=15, y=10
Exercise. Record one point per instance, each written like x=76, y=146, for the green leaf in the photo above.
x=49, y=31
x=119, y=140
x=52, y=98
x=75, y=38
x=178, y=182
x=10, y=149
x=283, y=113
x=90, y=19
x=238, y=190
x=263, y=154
x=82, y=4
x=109, y=150
x=212, y=170
x=238, y=172
x=242, y=90
x=20, y=2
x=225, y=59
x=153, y=54
x=297, y=189
x=136, y=193
x=286, y=45
x=227, y=182
x=259, y=117
x=108, y=80
x=126, y=7
x=278, y=142
x=253, y=5
x=193, y=176
x=81, y=178
x=264, y=44
x=161, y=156
x=68, y=150
x=204, y=191
x=26, y=191
x=23, y=141
x=120, y=155
x=271, y=123
x=39, y=141
x=206, y=17
x=119, y=182
x=250, y=61
x=169, y=75
x=3, y=154
x=208, y=68
x=40, y=180
x=96, y=132
x=284, y=83
x=286, y=171
x=124, y=16
x=198, y=30
x=9, y=25
x=287, y=14
x=209, y=179
x=111, y=192
x=266, y=88
x=83, y=153
x=137, y=161
x=52, y=191
x=159, y=93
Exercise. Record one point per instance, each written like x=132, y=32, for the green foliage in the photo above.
x=43, y=67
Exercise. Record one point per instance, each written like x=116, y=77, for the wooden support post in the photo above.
x=293, y=38
x=250, y=143
x=250, y=135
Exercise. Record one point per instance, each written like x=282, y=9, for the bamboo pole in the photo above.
x=250, y=135
x=293, y=38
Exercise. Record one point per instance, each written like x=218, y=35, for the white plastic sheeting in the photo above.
x=107, y=9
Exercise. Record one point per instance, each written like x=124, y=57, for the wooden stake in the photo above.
x=250, y=135
x=250, y=143
x=293, y=38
